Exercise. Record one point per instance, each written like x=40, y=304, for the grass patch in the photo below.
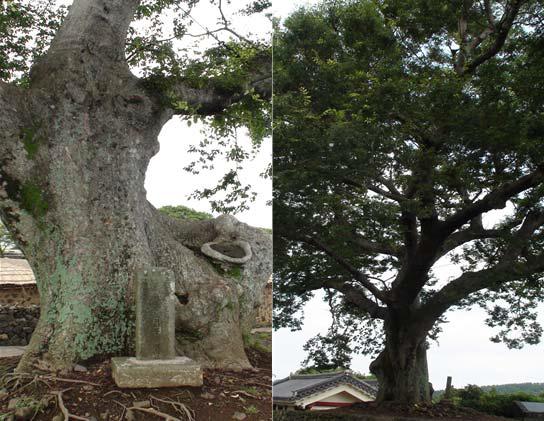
x=251, y=390
x=251, y=410
x=260, y=341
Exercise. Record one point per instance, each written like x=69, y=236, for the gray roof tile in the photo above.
x=531, y=407
x=297, y=386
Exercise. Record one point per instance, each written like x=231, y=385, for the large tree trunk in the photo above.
x=74, y=150
x=401, y=367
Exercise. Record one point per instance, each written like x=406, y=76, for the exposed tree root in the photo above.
x=124, y=409
x=60, y=379
x=182, y=409
x=19, y=384
x=64, y=410
x=153, y=411
x=242, y=392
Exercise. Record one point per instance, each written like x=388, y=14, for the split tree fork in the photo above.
x=401, y=367
x=430, y=226
x=74, y=149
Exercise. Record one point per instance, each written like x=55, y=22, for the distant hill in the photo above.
x=504, y=389
x=532, y=388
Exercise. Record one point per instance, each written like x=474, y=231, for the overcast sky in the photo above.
x=463, y=352
x=166, y=181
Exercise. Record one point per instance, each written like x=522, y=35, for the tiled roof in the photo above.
x=15, y=271
x=531, y=407
x=298, y=386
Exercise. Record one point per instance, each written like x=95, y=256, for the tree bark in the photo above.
x=74, y=152
x=401, y=367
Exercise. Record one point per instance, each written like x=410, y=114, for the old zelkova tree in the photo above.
x=409, y=133
x=77, y=133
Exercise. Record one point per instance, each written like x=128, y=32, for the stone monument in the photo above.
x=156, y=363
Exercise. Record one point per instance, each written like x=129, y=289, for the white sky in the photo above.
x=463, y=352
x=166, y=181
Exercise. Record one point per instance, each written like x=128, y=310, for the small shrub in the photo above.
x=492, y=402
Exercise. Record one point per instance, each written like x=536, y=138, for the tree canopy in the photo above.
x=408, y=133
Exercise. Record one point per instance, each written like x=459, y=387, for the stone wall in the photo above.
x=19, y=295
x=17, y=324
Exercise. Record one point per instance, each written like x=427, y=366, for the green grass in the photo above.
x=260, y=341
x=252, y=390
x=251, y=409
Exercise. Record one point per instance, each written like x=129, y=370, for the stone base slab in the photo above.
x=130, y=372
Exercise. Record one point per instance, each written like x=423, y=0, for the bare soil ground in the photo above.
x=92, y=395
x=370, y=411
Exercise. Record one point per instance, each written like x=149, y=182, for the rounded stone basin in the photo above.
x=237, y=251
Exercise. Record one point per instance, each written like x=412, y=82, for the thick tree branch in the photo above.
x=211, y=101
x=357, y=297
x=496, y=199
x=355, y=273
x=500, y=30
x=507, y=269
x=459, y=238
x=471, y=282
x=374, y=247
x=489, y=13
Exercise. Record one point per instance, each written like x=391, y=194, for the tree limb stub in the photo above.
x=237, y=251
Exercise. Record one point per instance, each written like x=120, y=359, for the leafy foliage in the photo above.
x=315, y=370
x=389, y=150
x=184, y=212
x=6, y=241
x=228, y=68
x=27, y=28
x=493, y=402
x=504, y=389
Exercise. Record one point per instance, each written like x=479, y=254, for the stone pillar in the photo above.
x=155, y=314
x=156, y=363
